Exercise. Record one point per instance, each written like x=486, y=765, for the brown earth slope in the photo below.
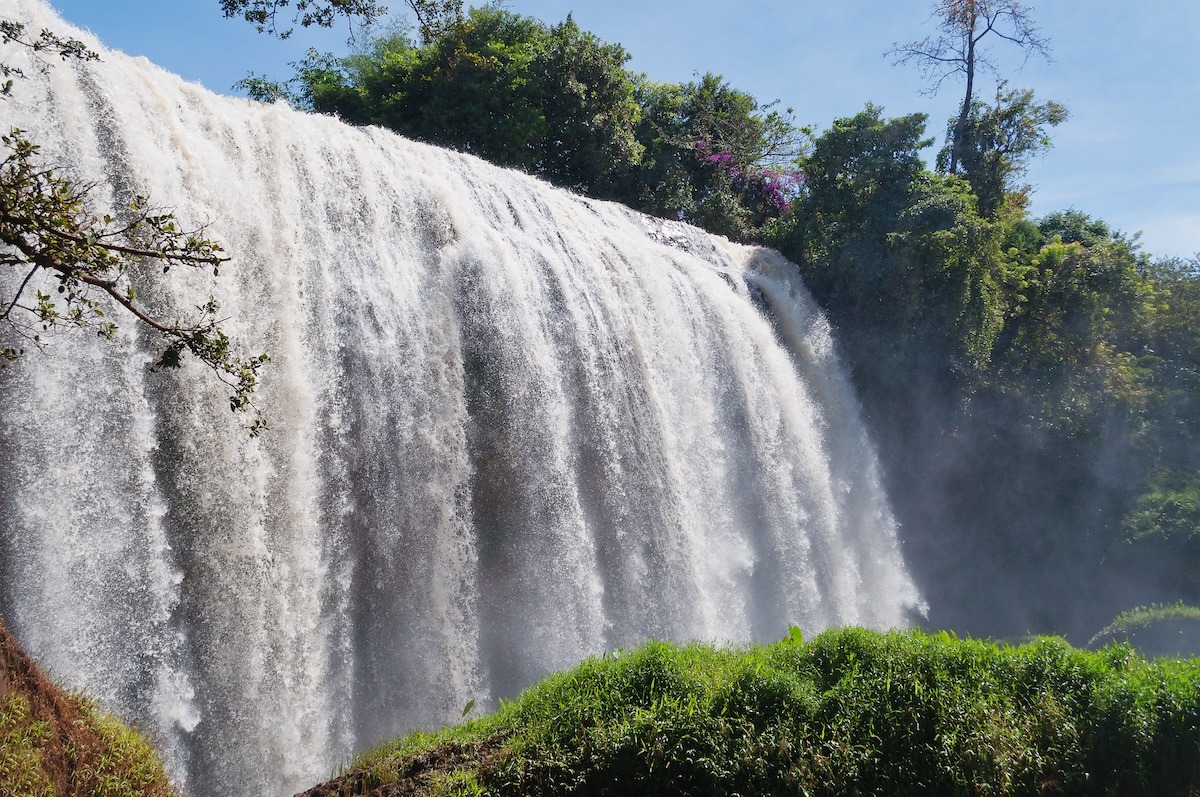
x=55, y=743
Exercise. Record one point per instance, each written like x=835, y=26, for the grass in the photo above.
x=1151, y=622
x=849, y=712
x=55, y=744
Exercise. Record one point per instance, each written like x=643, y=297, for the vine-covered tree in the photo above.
x=997, y=143
x=899, y=258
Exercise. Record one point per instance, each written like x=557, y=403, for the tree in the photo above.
x=587, y=100
x=859, y=178
x=899, y=258
x=997, y=143
x=68, y=261
x=558, y=102
x=712, y=156
x=958, y=49
x=554, y=101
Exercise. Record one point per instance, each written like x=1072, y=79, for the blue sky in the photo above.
x=1129, y=72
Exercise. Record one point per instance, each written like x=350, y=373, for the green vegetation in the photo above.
x=1172, y=630
x=557, y=102
x=53, y=744
x=49, y=229
x=104, y=756
x=850, y=712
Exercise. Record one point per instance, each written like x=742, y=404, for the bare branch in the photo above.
x=17, y=296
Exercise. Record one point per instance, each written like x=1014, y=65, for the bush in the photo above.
x=852, y=711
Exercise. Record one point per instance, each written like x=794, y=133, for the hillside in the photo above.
x=61, y=745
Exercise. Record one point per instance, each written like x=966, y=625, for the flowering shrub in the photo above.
x=766, y=193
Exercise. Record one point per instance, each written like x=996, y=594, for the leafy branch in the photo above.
x=264, y=14
x=45, y=42
x=46, y=228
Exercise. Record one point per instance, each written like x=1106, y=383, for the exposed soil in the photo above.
x=72, y=745
x=417, y=773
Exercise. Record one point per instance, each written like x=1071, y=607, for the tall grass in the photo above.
x=850, y=712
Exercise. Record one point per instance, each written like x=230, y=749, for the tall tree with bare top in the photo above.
x=959, y=48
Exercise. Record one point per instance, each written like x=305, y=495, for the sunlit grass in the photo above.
x=850, y=711
x=83, y=751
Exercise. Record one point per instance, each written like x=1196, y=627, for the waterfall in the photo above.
x=512, y=427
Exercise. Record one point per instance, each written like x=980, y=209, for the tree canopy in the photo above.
x=1029, y=381
x=997, y=142
x=557, y=102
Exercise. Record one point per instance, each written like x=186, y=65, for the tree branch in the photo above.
x=17, y=296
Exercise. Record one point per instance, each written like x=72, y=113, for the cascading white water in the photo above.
x=512, y=427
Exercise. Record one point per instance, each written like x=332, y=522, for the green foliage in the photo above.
x=1141, y=617
x=706, y=149
x=588, y=105
x=861, y=175
x=1074, y=226
x=48, y=229
x=851, y=712
x=45, y=42
x=264, y=14
x=1166, y=513
x=1172, y=355
x=997, y=141
x=22, y=740
x=108, y=757
x=901, y=259
x=553, y=101
x=557, y=102
x=1077, y=314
